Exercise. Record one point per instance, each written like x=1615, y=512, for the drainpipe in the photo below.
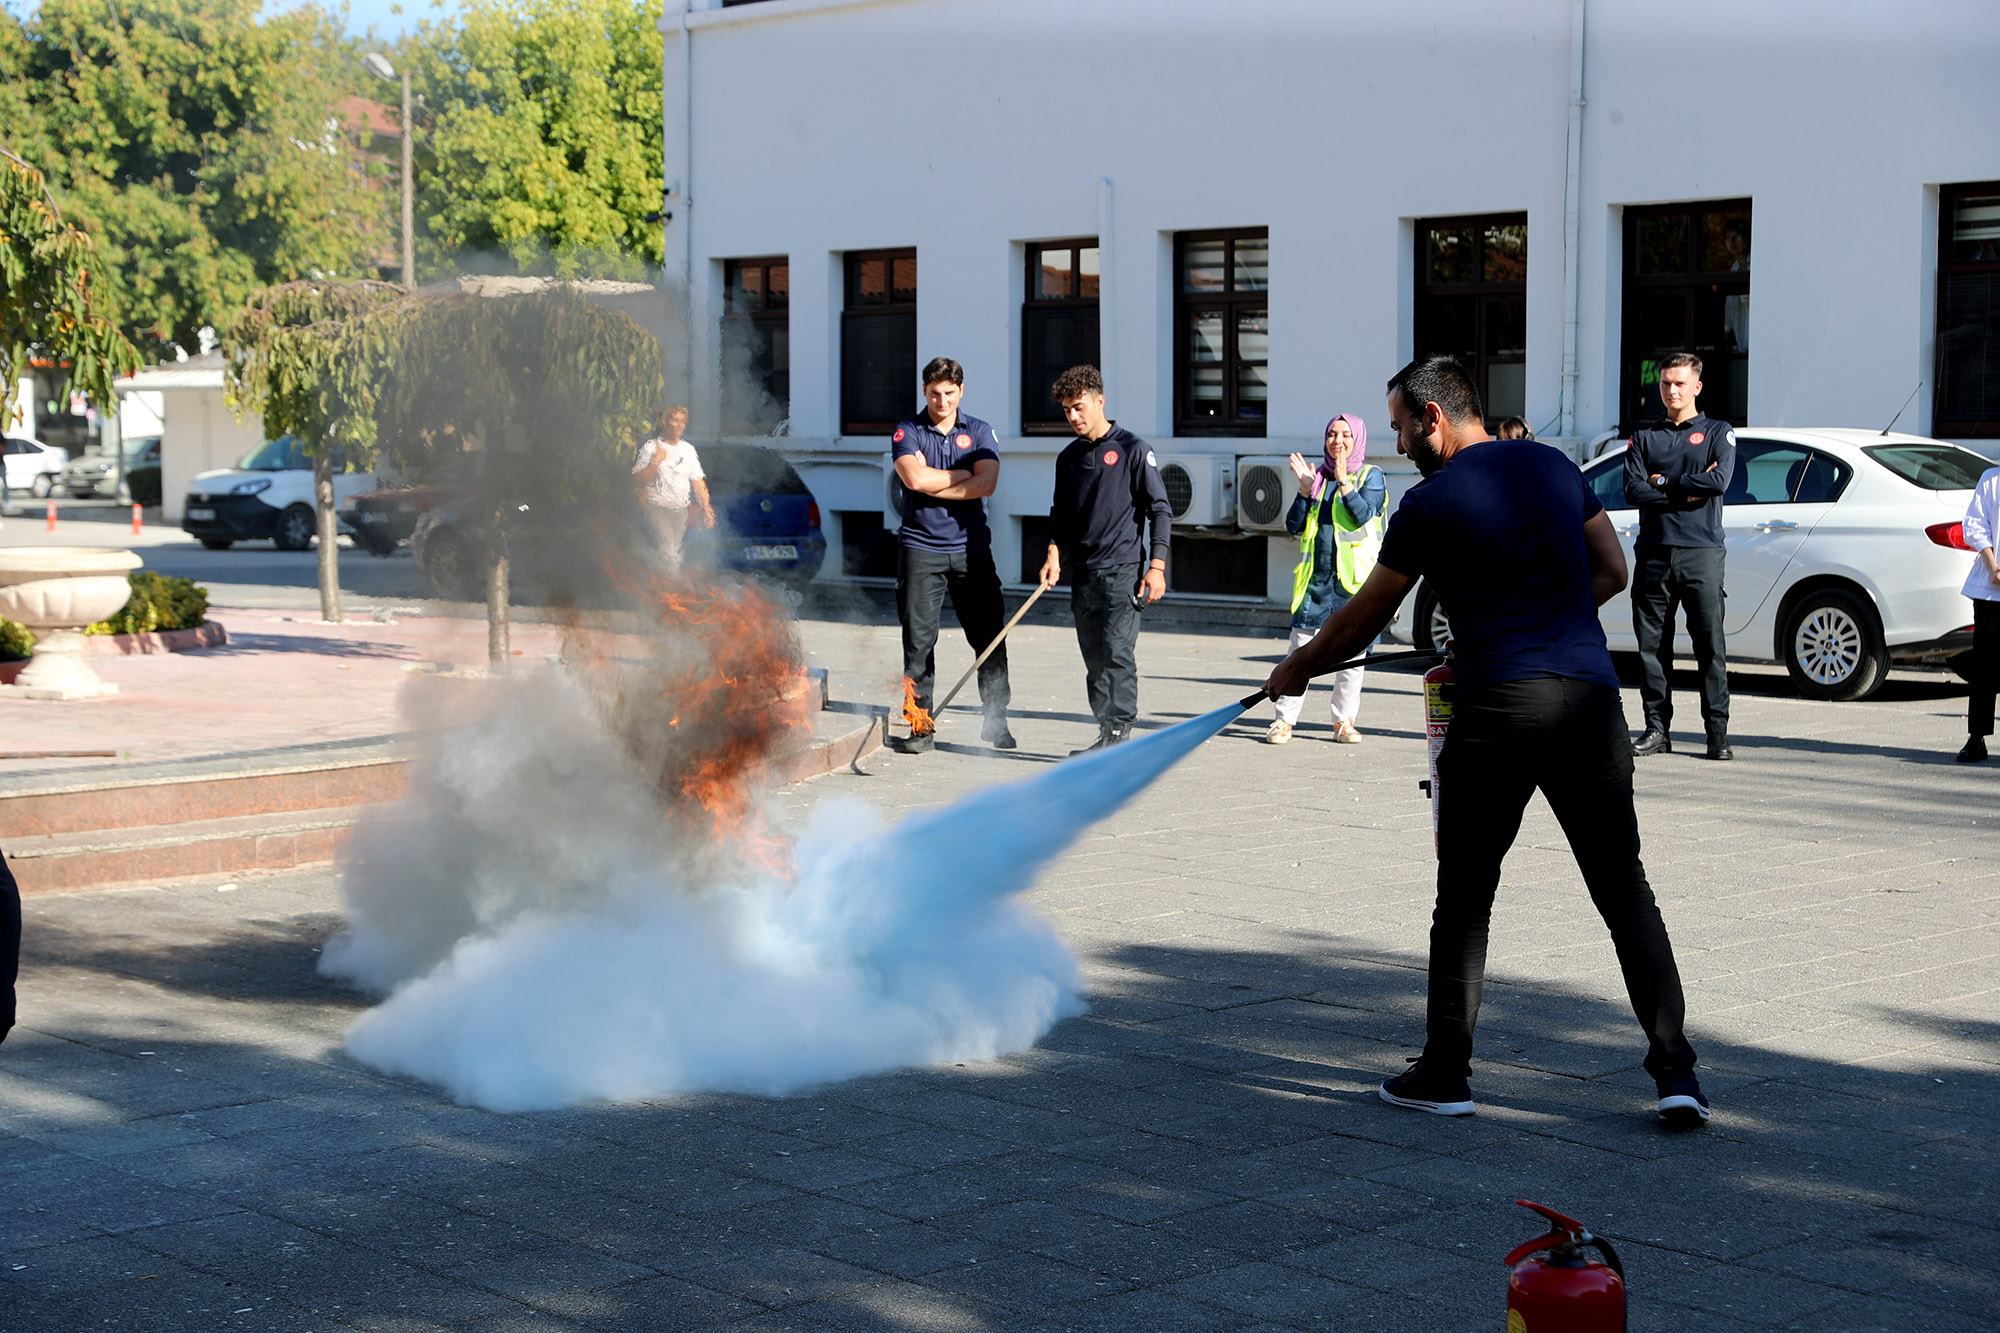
x=1106, y=315
x=1572, y=206
x=681, y=194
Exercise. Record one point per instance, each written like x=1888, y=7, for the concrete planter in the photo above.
x=208, y=634
x=54, y=591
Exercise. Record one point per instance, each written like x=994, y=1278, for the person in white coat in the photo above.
x=1982, y=585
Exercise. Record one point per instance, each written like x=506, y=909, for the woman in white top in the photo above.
x=1982, y=585
x=669, y=477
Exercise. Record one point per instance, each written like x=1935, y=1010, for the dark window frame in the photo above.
x=1486, y=294
x=854, y=311
x=1228, y=302
x=762, y=317
x=1690, y=281
x=1039, y=415
x=1948, y=269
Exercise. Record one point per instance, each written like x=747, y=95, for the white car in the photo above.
x=269, y=493
x=1845, y=554
x=34, y=467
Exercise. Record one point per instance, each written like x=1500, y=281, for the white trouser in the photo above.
x=1346, y=688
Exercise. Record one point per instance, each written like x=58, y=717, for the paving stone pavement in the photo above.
x=184, y=1146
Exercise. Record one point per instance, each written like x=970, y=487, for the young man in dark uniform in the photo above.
x=948, y=463
x=1521, y=555
x=1676, y=471
x=1107, y=485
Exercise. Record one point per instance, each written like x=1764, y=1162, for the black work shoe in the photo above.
x=1654, y=741
x=1421, y=1090
x=1718, y=746
x=919, y=743
x=1108, y=737
x=1974, y=751
x=1681, y=1104
x=994, y=732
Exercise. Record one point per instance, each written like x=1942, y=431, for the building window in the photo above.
x=1472, y=303
x=1222, y=332
x=756, y=345
x=1058, y=326
x=1687, y=289
x=1966, y=395
x=878, y=342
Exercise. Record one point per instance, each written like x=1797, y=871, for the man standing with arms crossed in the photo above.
x=1676, y=471
x=1107, y=483
x=948, y=463
x=1521, y=555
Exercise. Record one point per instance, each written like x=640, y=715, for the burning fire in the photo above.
x=920, y=720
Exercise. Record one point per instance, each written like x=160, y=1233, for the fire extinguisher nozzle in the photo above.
x=1252, y=700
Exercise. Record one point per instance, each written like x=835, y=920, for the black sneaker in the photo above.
x=1653, y=742
x=1108, y=737
x=994, y=732
x=1421, y=1090
x=1681, y=1104
x=1974, y=751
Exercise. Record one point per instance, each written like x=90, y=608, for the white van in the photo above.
x=269, y=493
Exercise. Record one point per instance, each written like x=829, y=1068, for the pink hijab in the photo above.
x=1324, y=477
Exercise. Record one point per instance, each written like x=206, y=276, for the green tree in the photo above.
x=543, y=138
x=47, y=289
x=199, y=142
x=536, y=395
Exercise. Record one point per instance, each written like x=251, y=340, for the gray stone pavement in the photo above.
x=184, y=1146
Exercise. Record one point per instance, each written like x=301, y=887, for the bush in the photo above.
x=158, y=602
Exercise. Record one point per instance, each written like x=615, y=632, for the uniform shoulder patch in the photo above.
x=1150, y=460
x=898, y=436
x=1730, y=437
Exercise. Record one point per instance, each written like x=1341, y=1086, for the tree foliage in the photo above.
x=198, y=141
x=48, y=289
x=310, y=357
x=543, y=139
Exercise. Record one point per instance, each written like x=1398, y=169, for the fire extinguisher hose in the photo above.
x=1369, y=660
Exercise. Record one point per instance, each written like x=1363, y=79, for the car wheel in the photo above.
x=295, y=529
x=1429, y=629
x=218, y=543
x=447, y=565
x=42, y=486
x=1833, y=646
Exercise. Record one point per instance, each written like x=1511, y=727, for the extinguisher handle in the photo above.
x=1557, y=1222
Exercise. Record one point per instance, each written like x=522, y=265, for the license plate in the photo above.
x=774, y=553
x=202, y=515
x=371, y=518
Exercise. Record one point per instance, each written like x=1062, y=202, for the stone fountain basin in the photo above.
x=57, y=587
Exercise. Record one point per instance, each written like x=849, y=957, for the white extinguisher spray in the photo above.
x=1438, y=690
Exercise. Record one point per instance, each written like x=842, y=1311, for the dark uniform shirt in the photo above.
x=1686, y=509
x=1104, y=490
x=1497, y=533
x=931, y=524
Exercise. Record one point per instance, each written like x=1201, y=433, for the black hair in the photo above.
x=944, y=368
x=1075, y=382
x=1441, y=380
x=1675, y=360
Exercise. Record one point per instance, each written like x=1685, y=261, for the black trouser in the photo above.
x=10, y=943
x=1567, y=738
x=1985, y=666
x=923, y=578
x=1689, y=577
x=1107, y=630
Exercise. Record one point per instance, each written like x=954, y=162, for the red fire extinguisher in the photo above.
x=1437, y=721
x=1565, y=1292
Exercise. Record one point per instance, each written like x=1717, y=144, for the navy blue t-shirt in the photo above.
x=931, y=524
x=1497, y=534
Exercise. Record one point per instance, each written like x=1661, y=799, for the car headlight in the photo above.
x=251, y=487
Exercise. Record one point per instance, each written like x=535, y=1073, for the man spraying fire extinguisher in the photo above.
x=1521, y=555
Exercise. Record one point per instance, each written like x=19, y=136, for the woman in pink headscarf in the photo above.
x=1338, y=520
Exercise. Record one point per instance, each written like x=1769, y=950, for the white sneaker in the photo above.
x=1279, y=732
x=1345, y=733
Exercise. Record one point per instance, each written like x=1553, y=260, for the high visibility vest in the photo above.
x=1355, y=545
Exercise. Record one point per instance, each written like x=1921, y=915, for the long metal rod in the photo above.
x=980, y=660
x=1368, y=660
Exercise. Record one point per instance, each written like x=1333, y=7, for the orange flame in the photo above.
x=920, y=720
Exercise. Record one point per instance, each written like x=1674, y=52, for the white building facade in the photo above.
x=1253, y=213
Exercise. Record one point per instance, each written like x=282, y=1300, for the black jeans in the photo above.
x=923, y=579
x=1985, y=666
x=10, y=943
x=1567, y=738
x=1690, y=577
x=1107, y=630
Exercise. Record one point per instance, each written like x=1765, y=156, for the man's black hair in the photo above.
x=1675, y=360
x=1441, y=380
x=944, y=368
x=1076, y=382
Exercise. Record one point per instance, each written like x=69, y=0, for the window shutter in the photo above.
x=1053, y=338
x=878, y=369
x=1968, y=351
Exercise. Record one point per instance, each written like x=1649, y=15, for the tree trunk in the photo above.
x=499, y=652
x=329, y=527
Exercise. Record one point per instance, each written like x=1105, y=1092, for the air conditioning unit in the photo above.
x=1264, y=490
x=1201, y=488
